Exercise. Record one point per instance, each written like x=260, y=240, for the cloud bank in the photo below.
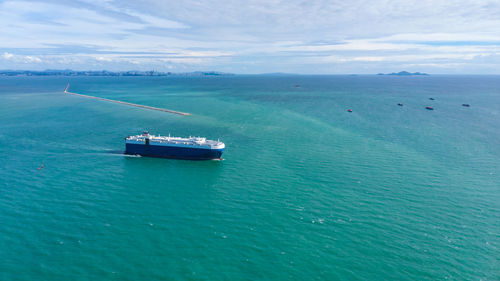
x=253, y=36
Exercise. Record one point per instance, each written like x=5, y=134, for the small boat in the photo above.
x=429, y=108
x=431, y=98
x=349, y=110
x=400, y=104
x=466, y=104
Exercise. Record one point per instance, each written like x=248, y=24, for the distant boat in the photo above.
x=466, y=104
x=349, y=110
x=400, y=104
x=431, y=98
x=429, y=108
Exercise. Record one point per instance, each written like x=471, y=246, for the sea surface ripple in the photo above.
x=307, y=190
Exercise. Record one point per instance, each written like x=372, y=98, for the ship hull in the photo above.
x=173, y=152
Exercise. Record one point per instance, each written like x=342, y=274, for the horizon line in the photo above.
x=222, y=73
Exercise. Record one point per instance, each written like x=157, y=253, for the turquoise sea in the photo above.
x=307, y=190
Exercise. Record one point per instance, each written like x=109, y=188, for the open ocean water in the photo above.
x=307, y=191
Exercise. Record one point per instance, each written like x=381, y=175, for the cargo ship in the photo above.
x=192, y=148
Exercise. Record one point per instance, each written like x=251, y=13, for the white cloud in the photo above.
x=444, y=37
x=7, y=55
x=29, y=59
x=372, y=59
x=153, y=21
x=256, y=35
x=105, y=59
x=197, y=61
x=21, y=58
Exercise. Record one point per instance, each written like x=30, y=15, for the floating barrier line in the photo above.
x=127, y=103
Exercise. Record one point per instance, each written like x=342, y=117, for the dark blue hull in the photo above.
x=173, y=152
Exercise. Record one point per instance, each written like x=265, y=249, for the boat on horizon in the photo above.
x=192, y=148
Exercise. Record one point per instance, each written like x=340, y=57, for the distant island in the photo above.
x=69, y=72
x=404, y=73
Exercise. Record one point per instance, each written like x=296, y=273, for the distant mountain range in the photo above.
x=69, y=72
x=404, y=73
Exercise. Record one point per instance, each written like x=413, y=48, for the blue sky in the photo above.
x=310, y=37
